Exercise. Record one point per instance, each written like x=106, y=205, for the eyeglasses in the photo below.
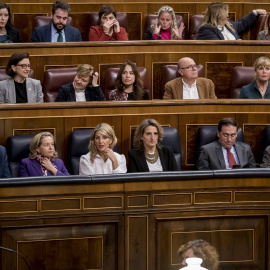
x=190, y=67
x=24, y=66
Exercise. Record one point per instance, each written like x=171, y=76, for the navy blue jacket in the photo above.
x=4, y=168
x=43, y=34
x=252, y=91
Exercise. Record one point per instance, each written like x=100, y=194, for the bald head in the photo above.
x=187, y=70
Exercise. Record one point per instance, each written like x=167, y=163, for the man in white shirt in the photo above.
x=189, y=86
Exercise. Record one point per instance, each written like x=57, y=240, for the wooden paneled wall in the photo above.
x=185, y=116
x=127, y=224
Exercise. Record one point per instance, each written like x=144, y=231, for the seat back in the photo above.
x=17, y=149
x=121, y=17
x=54, y=78
x=111, y=75
x=194, y=24
x=170, y=72
x=78, y=146
x=151, y=18
x=4, y=76
x=44, y=20
x=208, y=134
x=171, y=138
x=265, y=141
x=257, y=27
x=241, y=76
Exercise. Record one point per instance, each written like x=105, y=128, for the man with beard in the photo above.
x=189, y=86
x=58, y=30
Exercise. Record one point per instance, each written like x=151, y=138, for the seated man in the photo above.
x=57, y=31
x=189, y=86
x=4, y=168
x=225, y=153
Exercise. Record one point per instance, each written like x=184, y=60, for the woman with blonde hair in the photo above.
x=83, y=88
x=101, y=159
x=42, y=160
x=260, y=87
x=265, y=34
x=148, y=155
x=217, y=26
x=165, y=26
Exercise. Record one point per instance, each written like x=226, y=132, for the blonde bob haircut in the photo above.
x=86, y=70
x=106, y=130
x=137, y=139
x=173, y=25
x=261, y=61
x=37, y=141
x=215, y=12
x=203, y=250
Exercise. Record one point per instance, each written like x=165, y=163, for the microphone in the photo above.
x=16, y=252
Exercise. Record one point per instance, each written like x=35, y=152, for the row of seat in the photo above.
x=85, y=20
x=18, y=146
x=54, y=78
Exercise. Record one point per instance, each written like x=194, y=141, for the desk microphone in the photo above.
x=16, y=252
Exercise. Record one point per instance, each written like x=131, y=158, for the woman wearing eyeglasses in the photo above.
x=217, y=26
x=19, y=88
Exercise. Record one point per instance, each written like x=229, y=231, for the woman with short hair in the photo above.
x=20, y=88
x=83, y=88
x=101, y=159
x=129, y=85
x=148, y=155
x=43, y=159
x=260, y=87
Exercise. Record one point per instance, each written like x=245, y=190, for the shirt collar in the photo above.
x=186, y=85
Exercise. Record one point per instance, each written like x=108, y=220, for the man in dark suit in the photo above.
x=58, y=30
x=226, y=152
x=189, y=86
x=4, y=168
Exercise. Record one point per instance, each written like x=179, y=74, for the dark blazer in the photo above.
x=211, y=156
x=31, y=167
x=14, y=34
x=4, y=168
x=208, y=32
x=43, y=34
x=67, y=93
x=137, y=161
x=252, y=91
x=149, y=34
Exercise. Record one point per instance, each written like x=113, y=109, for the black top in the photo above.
x=67, y=93
x=145, y=95
x=21, y=94
x=149, y=34
x=13, y=34
x=137, y=161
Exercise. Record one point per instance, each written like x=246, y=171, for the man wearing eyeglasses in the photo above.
x=226, y=152
x=189, y=86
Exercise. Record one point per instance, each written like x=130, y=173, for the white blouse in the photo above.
x=100, y=166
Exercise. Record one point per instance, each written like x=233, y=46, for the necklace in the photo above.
x=151, y=158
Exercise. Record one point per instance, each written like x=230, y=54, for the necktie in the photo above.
x=60, y=37
x=230, y=157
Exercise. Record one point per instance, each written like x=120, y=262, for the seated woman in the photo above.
x=265, y=34
x=42, y=160
x=216, y=25
x=260, y=87
x=266, y=158
x=129, y=85
x=148, y=155
x=101, y=159
x=19, y=88
x=109, y=28
x=83, y=88
x=199, y=249
x=8, y=33
x=165, y=27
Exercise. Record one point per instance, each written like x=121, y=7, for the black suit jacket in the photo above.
x=14, y=34
x=211, y=156
x=43, y=34
x=137, y=161
x=67, y=93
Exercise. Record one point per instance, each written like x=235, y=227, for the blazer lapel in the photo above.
x=220, y=156
x=200, y=89
x=29, y=91
x=142, y=161
x=72, y=93
x=11, y=93
x=239, y=153
x=68, y=34
x=162, y=160
x=179, y=88
x=37, y=167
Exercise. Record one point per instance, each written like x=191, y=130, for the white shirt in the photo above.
x=190, y=92
x=55, y=35
x=80, y=95
x=226, y=33
x=155, y=167
x=100, y=166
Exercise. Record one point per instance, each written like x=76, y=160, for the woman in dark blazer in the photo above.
x=42, y=160
x=8, y=33
x=148, y=155
x=83, y=88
